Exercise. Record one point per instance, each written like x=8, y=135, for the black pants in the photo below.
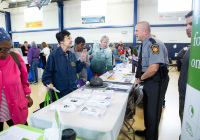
x=179, y=63
x=9, y=122
x=154, y=91
x=181, y=109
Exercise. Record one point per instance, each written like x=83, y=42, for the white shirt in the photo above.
x=46, y=51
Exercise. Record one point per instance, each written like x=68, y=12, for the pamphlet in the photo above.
x=80, y=96
x=106, y=76
x=104, y=92
x=64, y=108
x=119, y=87
x=71, y=101
x=127, y=78
x=101, y=104
x=84, y=90
x=53, y=88
x=101, y=98
x=92, y=111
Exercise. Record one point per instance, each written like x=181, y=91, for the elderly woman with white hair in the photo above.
x=33, y=60
x=101, y=57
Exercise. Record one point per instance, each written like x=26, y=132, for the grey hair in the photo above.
x=111, y=44
x=103, y=38
x=33, y=44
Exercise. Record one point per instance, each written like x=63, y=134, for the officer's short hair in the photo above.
x=61, y=35
x=189, y=14
x=79, y=40
x=103, y=38
x=147, y=25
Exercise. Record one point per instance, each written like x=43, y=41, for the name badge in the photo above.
x=73, y=64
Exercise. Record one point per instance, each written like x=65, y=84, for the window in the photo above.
x=174, y=5
x=93, y=8
x=33, y=14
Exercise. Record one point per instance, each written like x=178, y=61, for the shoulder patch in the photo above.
x=152, y=40
x=155, y=49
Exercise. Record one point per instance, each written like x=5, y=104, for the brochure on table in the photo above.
x=97, y=92
x=119, y=87
x=97, y=112
x=122, y=78
x=93, y=102
x=64, y=108
x=123, y=68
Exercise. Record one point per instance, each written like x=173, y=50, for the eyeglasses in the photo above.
x=4, y=50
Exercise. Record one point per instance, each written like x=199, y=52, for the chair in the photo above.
x=171, y=64
x=134, y=99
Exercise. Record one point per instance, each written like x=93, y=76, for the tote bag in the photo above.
x=30, y=75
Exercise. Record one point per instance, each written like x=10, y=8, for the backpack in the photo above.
x=16, y=59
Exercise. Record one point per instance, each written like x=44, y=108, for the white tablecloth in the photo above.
x=87, y=127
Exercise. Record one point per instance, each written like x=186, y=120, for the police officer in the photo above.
x=153, y=71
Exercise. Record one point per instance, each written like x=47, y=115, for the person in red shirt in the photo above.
x=121, y=51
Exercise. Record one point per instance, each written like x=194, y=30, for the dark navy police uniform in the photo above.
x=154, y=51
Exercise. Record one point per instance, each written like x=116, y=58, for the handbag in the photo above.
x=40, y=63
x=30, y=75
x=80, y=82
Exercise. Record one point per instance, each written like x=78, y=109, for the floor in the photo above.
x=170, y=127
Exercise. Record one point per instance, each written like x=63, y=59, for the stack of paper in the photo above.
x=127, y=78
x=92, y=111
x=101, y=104
x=106, y=76
x=71, y=101
x=64, y=108
x=80, y=96
x=104, y=92
x=119, y=87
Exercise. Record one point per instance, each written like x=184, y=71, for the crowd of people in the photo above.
x=66, y=65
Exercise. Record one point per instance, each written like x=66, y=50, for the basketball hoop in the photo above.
x=37, y=3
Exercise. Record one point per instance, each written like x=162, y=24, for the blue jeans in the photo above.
x=34, y=67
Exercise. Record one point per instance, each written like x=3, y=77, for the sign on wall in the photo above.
x=191, y=119
x=89, y=20
x=34, y=24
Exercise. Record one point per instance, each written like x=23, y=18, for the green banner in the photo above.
x=191, y=119
x=194, y=63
